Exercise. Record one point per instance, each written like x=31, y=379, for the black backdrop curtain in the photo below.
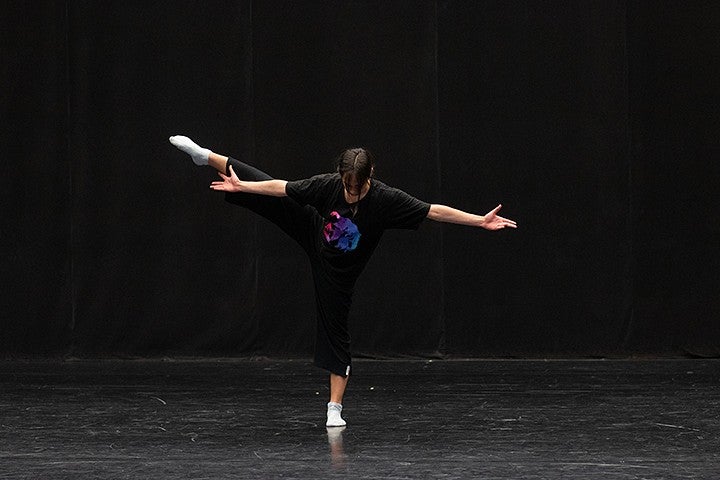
x=594, y=123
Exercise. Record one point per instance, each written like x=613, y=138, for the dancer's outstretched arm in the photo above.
x=489, y=221
x=274, y=188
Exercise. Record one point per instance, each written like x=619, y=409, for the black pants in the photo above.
x=304, y=225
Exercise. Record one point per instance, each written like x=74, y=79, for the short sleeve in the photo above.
x=402, y=210
x=311, y=191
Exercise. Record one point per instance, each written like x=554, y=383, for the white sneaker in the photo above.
x=333, y=415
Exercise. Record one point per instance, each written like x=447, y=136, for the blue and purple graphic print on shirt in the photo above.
x=341, y=233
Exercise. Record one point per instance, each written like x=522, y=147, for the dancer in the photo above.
x=338, y=219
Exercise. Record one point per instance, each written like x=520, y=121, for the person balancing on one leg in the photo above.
x=338, y=219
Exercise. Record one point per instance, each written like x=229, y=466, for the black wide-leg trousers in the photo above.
x=304, y=225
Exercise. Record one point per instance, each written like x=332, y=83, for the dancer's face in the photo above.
x=352, y=187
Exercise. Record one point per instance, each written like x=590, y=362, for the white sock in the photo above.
x=199, y=155
x=333, y=415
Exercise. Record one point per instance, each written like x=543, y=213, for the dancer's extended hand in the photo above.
x=495, y=222
x=229, y=184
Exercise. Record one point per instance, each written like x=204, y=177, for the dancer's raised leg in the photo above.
x=286, y=213
x=200, y=155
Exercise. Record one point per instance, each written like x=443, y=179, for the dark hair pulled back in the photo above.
x=357, y=161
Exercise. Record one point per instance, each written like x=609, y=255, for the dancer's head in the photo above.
x=355, y=166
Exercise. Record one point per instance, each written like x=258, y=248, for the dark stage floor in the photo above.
x=406, y=419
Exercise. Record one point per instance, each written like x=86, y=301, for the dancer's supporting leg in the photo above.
x=337, y=390
x=338, y=383
x=332, y=342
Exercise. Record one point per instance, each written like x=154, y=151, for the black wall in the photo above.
x=674, y=58
x=534, y=113
x=594, y=123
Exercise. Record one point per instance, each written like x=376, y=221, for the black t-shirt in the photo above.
x=347, y=238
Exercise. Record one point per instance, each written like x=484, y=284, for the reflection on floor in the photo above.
x=406, y=420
